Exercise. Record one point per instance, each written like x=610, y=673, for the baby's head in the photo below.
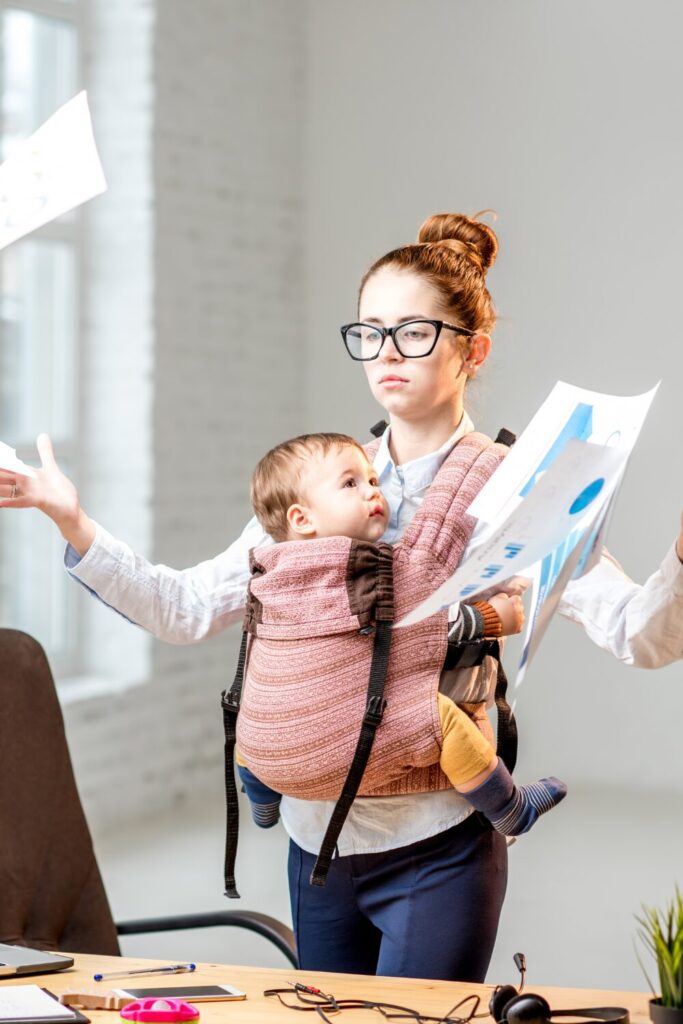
x=318, y=485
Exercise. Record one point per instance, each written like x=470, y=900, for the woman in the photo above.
x=419, y=884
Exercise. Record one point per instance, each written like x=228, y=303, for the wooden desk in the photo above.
x=431, y=997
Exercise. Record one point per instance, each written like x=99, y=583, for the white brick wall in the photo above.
x=194, y=329
x=114, y=478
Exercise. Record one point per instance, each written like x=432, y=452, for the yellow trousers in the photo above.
x=465, y=751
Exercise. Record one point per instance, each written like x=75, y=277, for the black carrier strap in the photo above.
x=374, y=710
x=468, y=655
x=506, y=745
x=506, y=437
x=471, y=654
x=230, y=702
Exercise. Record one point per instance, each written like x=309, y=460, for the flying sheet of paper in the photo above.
x=9, y=461
x=566, y=500
x=51, y=172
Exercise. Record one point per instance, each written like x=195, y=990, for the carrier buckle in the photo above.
x=374, y=711
x=230, y=702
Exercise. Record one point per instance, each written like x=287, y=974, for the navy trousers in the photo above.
x=428, y=910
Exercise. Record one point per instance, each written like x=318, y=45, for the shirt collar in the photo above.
x=418, y=473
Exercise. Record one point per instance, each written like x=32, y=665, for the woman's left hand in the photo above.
x=514, y=586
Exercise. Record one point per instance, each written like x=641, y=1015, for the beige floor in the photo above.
x=575, y=884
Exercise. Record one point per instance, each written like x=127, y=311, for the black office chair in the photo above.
x=263, y=924
x=52, y=896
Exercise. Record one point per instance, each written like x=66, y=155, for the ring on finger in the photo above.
x=13, y=493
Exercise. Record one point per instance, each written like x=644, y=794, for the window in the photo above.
x=39, y=326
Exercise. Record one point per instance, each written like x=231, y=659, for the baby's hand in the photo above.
x=510, y=611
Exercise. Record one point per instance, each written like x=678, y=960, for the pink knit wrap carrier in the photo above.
x=310, y=613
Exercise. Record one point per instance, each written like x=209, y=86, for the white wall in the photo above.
x=115, y=475
x=321, y=134
x=194, y=341
x=228, y=305
x=562, y=118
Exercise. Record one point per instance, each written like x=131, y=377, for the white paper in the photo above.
x=30, y=1001
x=54, y=170
x=564, y=502
x=526, y=534
x=10, y=462
x=599, y=418
x=568, y=412
x=548, y=585
x=551, y=576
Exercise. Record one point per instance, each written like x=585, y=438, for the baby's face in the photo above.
x=342, y=496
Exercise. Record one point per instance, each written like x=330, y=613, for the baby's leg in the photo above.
x=467, y=757
x=263, y=801
x=472, y=766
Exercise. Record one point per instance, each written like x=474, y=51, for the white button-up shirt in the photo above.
x=640, y=625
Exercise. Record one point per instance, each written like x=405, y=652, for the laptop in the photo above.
x=21, y=960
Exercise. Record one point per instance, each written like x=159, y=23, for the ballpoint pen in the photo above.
x=171, y=969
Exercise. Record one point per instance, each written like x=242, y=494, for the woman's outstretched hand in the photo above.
x=679, y=542
x=53, y=493
x=510, y=611
x=512, y=587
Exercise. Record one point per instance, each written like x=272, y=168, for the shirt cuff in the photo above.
x=71, y=557
x=77, y=564
x=672, y=571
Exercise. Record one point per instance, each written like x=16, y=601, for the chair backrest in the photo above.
x=51, y=891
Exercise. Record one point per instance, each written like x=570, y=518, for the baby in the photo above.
x=323, y=485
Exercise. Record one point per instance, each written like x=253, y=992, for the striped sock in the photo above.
x=513, y=810
x=266, y=815
x=528, y=804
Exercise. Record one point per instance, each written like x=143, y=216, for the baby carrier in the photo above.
x=320, y=667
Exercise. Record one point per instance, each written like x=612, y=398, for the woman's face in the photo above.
x=411, y=388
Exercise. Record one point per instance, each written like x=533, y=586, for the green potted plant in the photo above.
x=662, y=935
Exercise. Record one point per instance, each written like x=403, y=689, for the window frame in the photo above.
x=70, y=231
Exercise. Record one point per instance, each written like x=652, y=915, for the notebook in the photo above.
x=21, y=960
x=31, y=1004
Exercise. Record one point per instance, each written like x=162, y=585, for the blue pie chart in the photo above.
x=588, y=494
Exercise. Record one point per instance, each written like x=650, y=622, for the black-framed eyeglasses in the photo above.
x=414, y=339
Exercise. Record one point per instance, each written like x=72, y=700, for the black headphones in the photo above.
x=508, y=1006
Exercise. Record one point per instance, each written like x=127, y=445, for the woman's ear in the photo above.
x=479, y=348
x=299, y=521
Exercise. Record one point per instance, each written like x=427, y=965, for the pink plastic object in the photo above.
x=160, y=1010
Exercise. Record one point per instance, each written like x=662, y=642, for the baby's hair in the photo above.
x=277, y=480
x=453, y=252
